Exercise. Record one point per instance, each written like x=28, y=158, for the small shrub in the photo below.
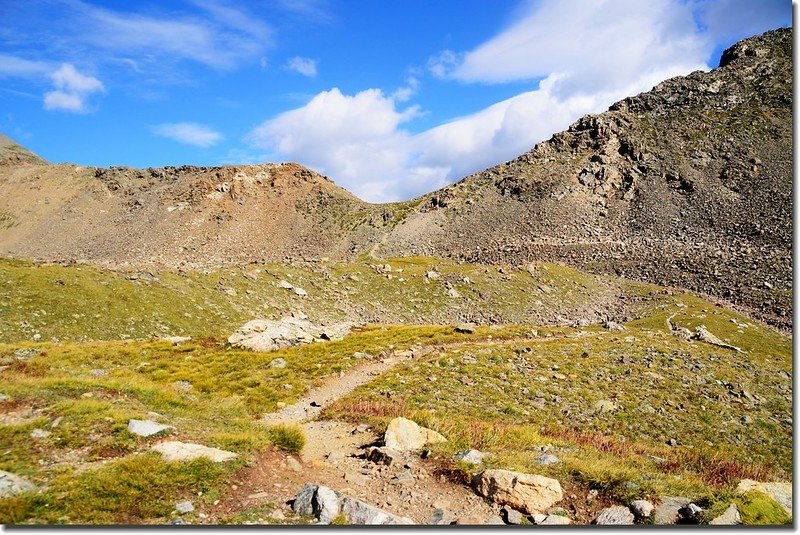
x=288, y=437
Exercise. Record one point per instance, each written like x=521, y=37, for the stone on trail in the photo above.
x=406, y=435
x=528, y=493
x=146, y=428
x=617, y=515
x=730, y=517
x=183, y=451
x=360, y=513
x=12, y=484
x=384, y=455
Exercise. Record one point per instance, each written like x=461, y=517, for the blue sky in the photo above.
x=390, y=99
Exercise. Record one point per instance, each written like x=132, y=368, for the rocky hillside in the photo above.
x=689, y=185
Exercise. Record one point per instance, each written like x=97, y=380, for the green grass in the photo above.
x=287, y=437
x=757, y=508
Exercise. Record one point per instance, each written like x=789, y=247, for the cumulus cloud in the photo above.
x=194, y=134
x=579, y=58
x=72, y=89
x=304, y=66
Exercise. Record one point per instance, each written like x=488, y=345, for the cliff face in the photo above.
x=689, y=184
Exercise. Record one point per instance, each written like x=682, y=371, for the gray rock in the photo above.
x=299, y=291
x=471, y=456
x=325, y=505
x=452, y=292
x=12, y=484
x=182, y=451
x=146, y=428
x=667, y=510
x=4, y=397
x=285, y=285
x=278, y=363
x=302, y=504
x=511, y=516
x=467, y=328
x=184, y=507
x=442, y=517
x=176, y=340
x=26, y=353
x=730, y=517
x=40, y=433
x=603, y=406
x=642, y=508
x=384, y=455
x=293, y=464
x=538, y=518
x=548, y=458
x=617, y=515
x=186, y=386
x=360, y=513
x=98, y=372
x=403, y=478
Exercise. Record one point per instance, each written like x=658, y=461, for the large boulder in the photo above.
x=668, y=509
x=406, y=435
x=529, y=493
x=268, y=335
x=325, y=504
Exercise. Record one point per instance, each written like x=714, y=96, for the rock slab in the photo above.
x=146, y=428
x=268, y=335
x=528, y=493
x=617, y=515
x=183, y=451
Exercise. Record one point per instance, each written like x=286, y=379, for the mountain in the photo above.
x=687, y=185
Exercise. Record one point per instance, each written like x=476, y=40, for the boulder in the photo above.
x=12, y=484
x=182, y=451
x=467, y=328
x=529, y=493
x=547, y=459
x=268, y=335
x=617, y=515
x=730, y=517
x=406, y=435
x=146, y=428
x=325, y=505
x=302, y=504
x=494, y=520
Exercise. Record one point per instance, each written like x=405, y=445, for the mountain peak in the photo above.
x=12, y=153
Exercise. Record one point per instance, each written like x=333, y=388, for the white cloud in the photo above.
x=440, y=64
x=72, y=89
x=404, y=93
x=194, y=134
x=15, y=66
x=304, y=66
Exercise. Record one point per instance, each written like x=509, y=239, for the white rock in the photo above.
x=40, y=433
x=146, y=428
x=555, y=520
x=617, y=515
x=471, y=456
x=184, y=507
x=730, y=517
x=642, y=508
x=182, y=451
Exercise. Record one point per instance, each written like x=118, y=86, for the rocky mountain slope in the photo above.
x=687, y=185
